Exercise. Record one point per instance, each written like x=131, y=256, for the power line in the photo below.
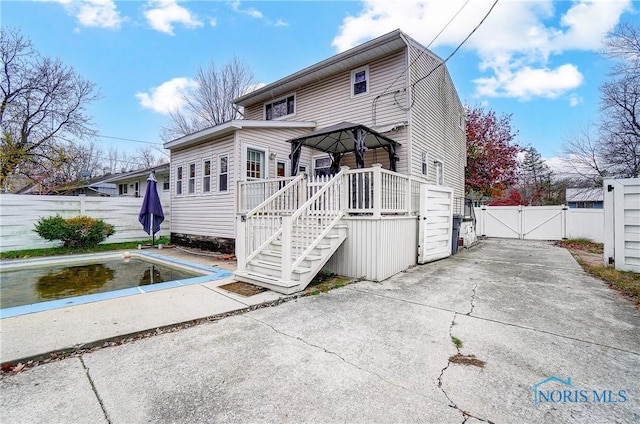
x=128, y=139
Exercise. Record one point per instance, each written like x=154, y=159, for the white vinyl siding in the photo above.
x=206, y=215
x=329, y=101
x=436, y=123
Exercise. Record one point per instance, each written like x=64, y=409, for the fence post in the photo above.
x=241, y=242
x=83, y=204
x=377, y=190
x=286, y=247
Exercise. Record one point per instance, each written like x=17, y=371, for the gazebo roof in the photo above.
x=339, y=138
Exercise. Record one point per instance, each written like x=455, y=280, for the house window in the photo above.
x=122, y=189
x=255, y=164
x=223, y=172
x=191, y=184
x=322, y=166
x=303, y=169
x=165, y=183
x=439, y=172
x=281, y=107
x=136, y=189
x=206, y=176
x=360, y=81
x=179, y=177
x=425, y=166
x=281, y=169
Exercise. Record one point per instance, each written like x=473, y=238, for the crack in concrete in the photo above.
x=338, y=356
x=523, y=327
x=465, y=414
x=95, y=391
x=473, y=299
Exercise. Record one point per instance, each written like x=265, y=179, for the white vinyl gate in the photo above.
x=522, y=222
x=435, y=225
x=622, y=224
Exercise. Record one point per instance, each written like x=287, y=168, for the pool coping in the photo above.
x=209, y=274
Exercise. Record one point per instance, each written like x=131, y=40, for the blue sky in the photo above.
x=536, y=60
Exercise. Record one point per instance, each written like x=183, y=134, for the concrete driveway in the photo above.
x=375, y=352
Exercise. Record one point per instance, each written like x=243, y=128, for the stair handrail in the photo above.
x=275, y=195
x=290, y=260
x=271, y=216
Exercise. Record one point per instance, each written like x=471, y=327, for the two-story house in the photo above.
x=390, y=102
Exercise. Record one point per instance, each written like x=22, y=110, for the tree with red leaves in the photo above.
x=492, y=164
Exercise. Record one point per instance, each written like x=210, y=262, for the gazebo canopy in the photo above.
x=339, y=138
x=342, y=138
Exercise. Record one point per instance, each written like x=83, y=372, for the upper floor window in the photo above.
x=206, y=176
x=281, y=107
x=360, y=81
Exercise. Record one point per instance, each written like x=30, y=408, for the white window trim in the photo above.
x=313, y=162
x=136, y=193
x=305, y=165
x=353, y=81
x=195, y=178
x=211, y=173
x=179, y=182
x=295, y=107
x=218, y=173
x=424, y=164
x=287, y=167
x=265, y=151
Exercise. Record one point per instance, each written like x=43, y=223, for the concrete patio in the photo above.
x=371, y=352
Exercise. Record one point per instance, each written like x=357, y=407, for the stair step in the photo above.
x=285, y=287
x=278, y=254
x=274, y=268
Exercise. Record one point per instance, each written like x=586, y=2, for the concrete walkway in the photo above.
x=374, y=352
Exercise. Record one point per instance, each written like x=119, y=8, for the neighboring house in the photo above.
x=96, y=186
x=134, y=183
x=590, y=198
x=388, y=101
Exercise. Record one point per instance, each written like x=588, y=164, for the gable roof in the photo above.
x=138, y=173
x=347, y=60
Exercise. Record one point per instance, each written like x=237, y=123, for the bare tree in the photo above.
x=615, y=149
x=43, y=101
x=209, y=100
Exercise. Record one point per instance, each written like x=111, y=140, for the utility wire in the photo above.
x=128, y=139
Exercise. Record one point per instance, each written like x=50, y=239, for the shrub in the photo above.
x=77, y=232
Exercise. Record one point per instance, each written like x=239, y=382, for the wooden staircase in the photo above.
x=265, y=269
x=282, y=246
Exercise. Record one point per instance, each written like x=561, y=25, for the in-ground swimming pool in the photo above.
x=45, y=283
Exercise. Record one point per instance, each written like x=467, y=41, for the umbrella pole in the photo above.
x=153, y=235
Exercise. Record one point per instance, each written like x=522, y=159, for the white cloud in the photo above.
x=575, y=100
x=280, y=23
x=93, y=13
x=526, y=82
x=254, y=13
x=514, y=43
x=163, y=14
x=166, y=97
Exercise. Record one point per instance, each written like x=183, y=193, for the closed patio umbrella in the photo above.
x=151, y=215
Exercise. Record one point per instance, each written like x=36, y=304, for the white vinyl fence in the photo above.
x=622, y=223
x=19, y=214
x=540, y=222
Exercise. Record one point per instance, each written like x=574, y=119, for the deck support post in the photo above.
x=377, y=190
x=286, y=247
x=408, y=195
x=241, y=240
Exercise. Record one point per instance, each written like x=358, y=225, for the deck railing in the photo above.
x=263, y=224
x=302, y=231
x=253, y=193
